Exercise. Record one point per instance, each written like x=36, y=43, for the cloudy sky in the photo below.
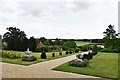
x=78, y=19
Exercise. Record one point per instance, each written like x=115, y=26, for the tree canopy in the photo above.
x=110, y=33
x=15, y=39
x=69, y=44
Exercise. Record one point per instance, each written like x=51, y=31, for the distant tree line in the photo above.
x=15, y=39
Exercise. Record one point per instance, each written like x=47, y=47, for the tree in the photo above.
x=32, y=43
x=69, y=44
x=110, y=39
x=15, y=39
x=110, y=33
x=42, y=39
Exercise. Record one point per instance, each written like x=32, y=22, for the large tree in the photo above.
x=110, y=33
x=110, y=37
x=69, y=44
x=15, y=39
x=32, y=43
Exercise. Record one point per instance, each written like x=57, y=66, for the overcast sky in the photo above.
x=78, y=19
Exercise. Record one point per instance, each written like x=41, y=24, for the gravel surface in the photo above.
x=40, y=70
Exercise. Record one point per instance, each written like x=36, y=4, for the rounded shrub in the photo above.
x=43, y=55
x=29, y=58
x=76, y=63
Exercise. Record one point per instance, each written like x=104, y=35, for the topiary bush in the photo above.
x=76, y=63
x=29, y=58
x=70, y=52
x=53, y=54
x=66, y=52
x=60, y=53
x=43, y=55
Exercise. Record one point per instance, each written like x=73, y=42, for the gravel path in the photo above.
x=40, y=70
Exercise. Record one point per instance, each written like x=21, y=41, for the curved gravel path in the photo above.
x=40, y=70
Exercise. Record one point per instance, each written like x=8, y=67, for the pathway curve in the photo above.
x=40, y=70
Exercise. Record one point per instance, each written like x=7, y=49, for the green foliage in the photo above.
x=105, y=50
x=70, y=52
x=84, y=48
x=69, y=44
x=29, y=58
x=43, y=40
x=15, y=39
x=95, y=50
x=76, y=63
x=66, y=52
x=77, y=50
x=43, y=49
x=32, y=44
x=88, y=56
x=10, y=55
x=110, y=33
x=60, y=53
x=43, y=55
x=111, y=43
x=53, y=54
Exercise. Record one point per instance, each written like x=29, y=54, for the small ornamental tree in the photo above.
x=43, y=55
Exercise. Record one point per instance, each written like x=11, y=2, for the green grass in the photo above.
x=81, y=43
x=37, y=55
x=102, y=65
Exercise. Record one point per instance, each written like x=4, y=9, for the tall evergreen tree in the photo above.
x=32, y=43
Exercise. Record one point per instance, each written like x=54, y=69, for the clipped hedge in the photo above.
x=76, y=63
x=29, y=58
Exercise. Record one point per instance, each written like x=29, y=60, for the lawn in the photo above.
x=102, y=65
x=37, y=55
x=81, y=43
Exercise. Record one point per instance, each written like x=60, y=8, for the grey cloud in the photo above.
x=30, y=9
x=38, y=9
x=82, y=5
